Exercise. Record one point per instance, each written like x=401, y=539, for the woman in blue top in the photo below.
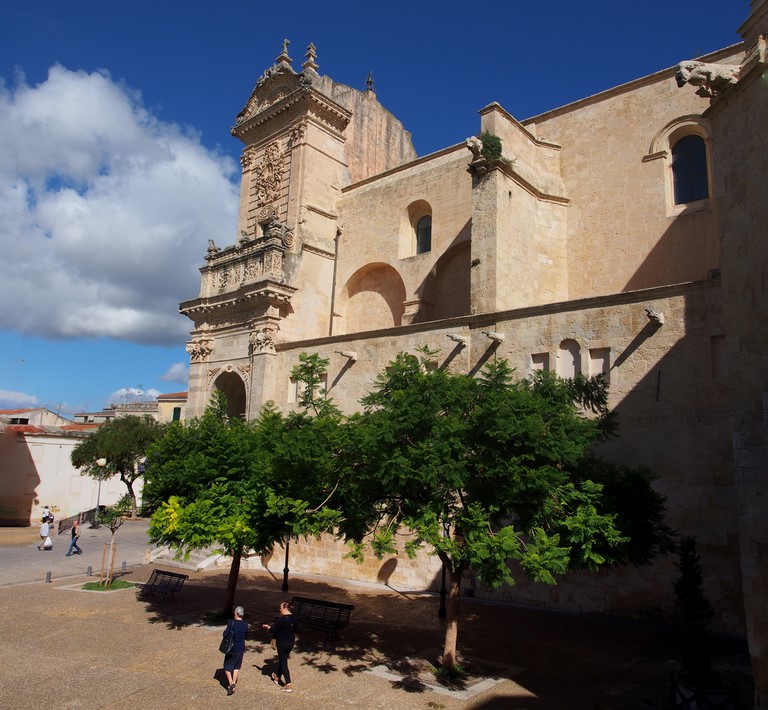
x=234, y=659
x=282, y=631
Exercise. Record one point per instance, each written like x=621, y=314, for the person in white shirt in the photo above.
x=45, y=531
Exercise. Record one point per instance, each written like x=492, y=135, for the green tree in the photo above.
x=203, y=482
x=488, y=470
x=112, y=516
x=122, y=444
x=242, y=485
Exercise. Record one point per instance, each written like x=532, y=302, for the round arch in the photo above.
x=232, y=386
x=372, y=298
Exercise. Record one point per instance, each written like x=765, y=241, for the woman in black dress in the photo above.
x=282, y=631
x=234, y=659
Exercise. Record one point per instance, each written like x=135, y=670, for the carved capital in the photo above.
x=262, y=340
x=199, y=350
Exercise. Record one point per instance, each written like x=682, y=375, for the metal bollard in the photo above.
x=89, y=571
x=47, y=577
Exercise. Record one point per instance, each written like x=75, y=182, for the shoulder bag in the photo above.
x=229, y=639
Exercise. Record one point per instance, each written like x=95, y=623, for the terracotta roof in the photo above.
x=173, y=395
x=51, y=430
x=25, y=429
x=21, y=411
x=81, y=427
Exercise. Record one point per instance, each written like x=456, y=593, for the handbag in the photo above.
x=228, y=642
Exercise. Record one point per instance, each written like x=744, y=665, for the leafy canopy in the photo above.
x=487, y=470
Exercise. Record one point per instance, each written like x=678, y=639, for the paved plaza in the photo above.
x=68, y=648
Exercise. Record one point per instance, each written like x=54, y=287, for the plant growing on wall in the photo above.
x=492, y=147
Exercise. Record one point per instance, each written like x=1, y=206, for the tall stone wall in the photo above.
x=741, y=153
x=670, y=396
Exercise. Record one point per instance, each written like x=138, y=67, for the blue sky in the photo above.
x=117, y=165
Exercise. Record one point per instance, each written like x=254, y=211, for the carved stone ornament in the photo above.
x=262, y=340
x=475, y=146
x=297, y=135
x=479, y=164
x=712, y=79
x=199, y=350
x=275, y=229
x=245, y=373
x=212, y=372
x=269, y=175
x=266, y=213
x=246, y=159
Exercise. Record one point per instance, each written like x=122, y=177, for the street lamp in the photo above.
x=285, y=569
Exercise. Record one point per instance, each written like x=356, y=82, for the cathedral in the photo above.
x=622, y=234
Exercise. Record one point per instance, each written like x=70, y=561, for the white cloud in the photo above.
x=105, y=211
x=17, y=400
x=178, y=372
x=126, y=395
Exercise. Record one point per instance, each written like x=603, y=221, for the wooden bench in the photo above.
x=162, y=582
x=323, y=615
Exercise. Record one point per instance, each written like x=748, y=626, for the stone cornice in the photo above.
x=491, y=319
x=319, y=251
x=302, y=101
x=265, y=290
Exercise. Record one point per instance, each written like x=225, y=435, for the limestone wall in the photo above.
x=667, y=385
x=379, y=233
x=623, y=232
x=741, y=153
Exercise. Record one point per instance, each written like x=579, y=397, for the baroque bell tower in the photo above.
x=275, y=283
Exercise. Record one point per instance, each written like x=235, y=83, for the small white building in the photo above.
x=36, y=469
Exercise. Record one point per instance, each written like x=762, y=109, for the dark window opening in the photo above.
x=424, y=235
x=689, y=168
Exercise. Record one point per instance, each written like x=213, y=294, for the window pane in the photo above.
x=689, y=168
x=424, y=235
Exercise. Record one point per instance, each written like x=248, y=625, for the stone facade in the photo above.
x=577, y=252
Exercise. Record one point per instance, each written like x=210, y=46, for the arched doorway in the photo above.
x=233, y=388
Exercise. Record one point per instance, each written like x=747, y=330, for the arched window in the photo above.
x=424, y=235
x=689, y=169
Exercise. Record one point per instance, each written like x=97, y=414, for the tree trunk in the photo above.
x=450, y=656
x=234, y=574
x=129, y=486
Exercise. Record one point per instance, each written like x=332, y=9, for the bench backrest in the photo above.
x=319, y=611
x=167, y=579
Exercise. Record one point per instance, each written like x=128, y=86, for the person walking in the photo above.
x=73, y=544
x=234, y=659
x=45, y=532
x=283, y=632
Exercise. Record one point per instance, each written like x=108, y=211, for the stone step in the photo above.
x=197, y=560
